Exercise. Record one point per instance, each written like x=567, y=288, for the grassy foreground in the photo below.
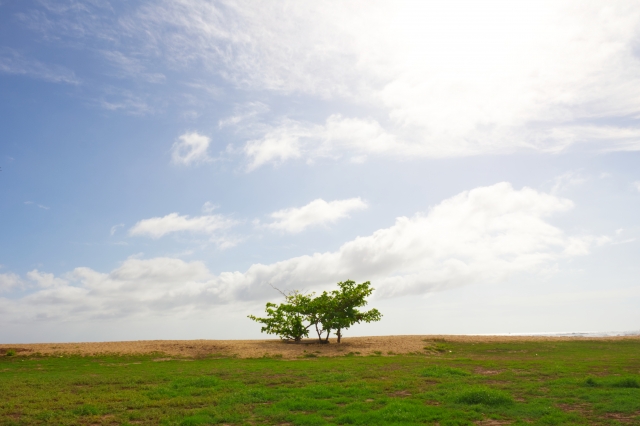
x=547, y=383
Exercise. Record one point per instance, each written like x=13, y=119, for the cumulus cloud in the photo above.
x=482, y=235
x=9, y=282
x=45, y=280
x=317, y=212
x=190, y=148
x=157, y=227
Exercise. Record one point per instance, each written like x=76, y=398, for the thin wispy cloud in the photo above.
x=130, y=67
x=510, y=77
x=115, y=228
x=211, y=226
x=242, y=113
x=209, y=207
x=12, y=62
x=483, y=95
x=567, y=180
x=40, y=206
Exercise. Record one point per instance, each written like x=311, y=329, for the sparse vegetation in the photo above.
x=627, y=382
x=443, y=371
x=484, y=396
x=567, y=383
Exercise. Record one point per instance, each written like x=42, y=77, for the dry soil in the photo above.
x=380, y=345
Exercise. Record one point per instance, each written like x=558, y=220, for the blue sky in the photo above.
x=164, y=162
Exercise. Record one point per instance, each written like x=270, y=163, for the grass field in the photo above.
x=448, y=383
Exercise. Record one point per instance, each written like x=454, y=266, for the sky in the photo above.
x=165, y=163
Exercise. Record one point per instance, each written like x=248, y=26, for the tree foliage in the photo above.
x=336, y=310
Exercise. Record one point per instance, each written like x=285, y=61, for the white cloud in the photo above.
x=278, y=144
x=336, y=137
x=567, y=180
x=317, y=212
x=45, y=280
x=136, y=288
x=114, y=228
x=463, y=77
x=441, y=78
x=209, y=207
x=479, y=235
x=191, y=148
x=211, y=225
x=114, y=99
x=244, y=112
x=482, y=235
x=9, y=282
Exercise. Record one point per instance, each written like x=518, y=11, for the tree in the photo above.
x=341, y=312
x=287, y=319
x=335, y=310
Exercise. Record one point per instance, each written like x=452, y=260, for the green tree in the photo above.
x=287, y=319
x=341, y=310
x=336, y=310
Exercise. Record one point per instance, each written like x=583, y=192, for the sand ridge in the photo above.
x=378, y=345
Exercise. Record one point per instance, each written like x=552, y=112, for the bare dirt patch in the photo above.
x=486, y=372
x=272, y=348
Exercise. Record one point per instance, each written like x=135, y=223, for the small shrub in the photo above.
x=11, y=352
x=591, y=382
x=439, y=347
x=484, y=396
x=628, y=382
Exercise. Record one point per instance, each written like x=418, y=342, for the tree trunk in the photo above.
x=339, y=333
x=327, y=338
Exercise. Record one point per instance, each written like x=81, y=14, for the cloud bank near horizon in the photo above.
x=483, y=235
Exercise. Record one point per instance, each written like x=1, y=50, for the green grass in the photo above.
x=540, y=383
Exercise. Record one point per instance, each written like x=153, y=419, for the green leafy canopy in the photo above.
x=336, y=310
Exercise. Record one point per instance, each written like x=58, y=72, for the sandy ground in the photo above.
x=384, y=345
